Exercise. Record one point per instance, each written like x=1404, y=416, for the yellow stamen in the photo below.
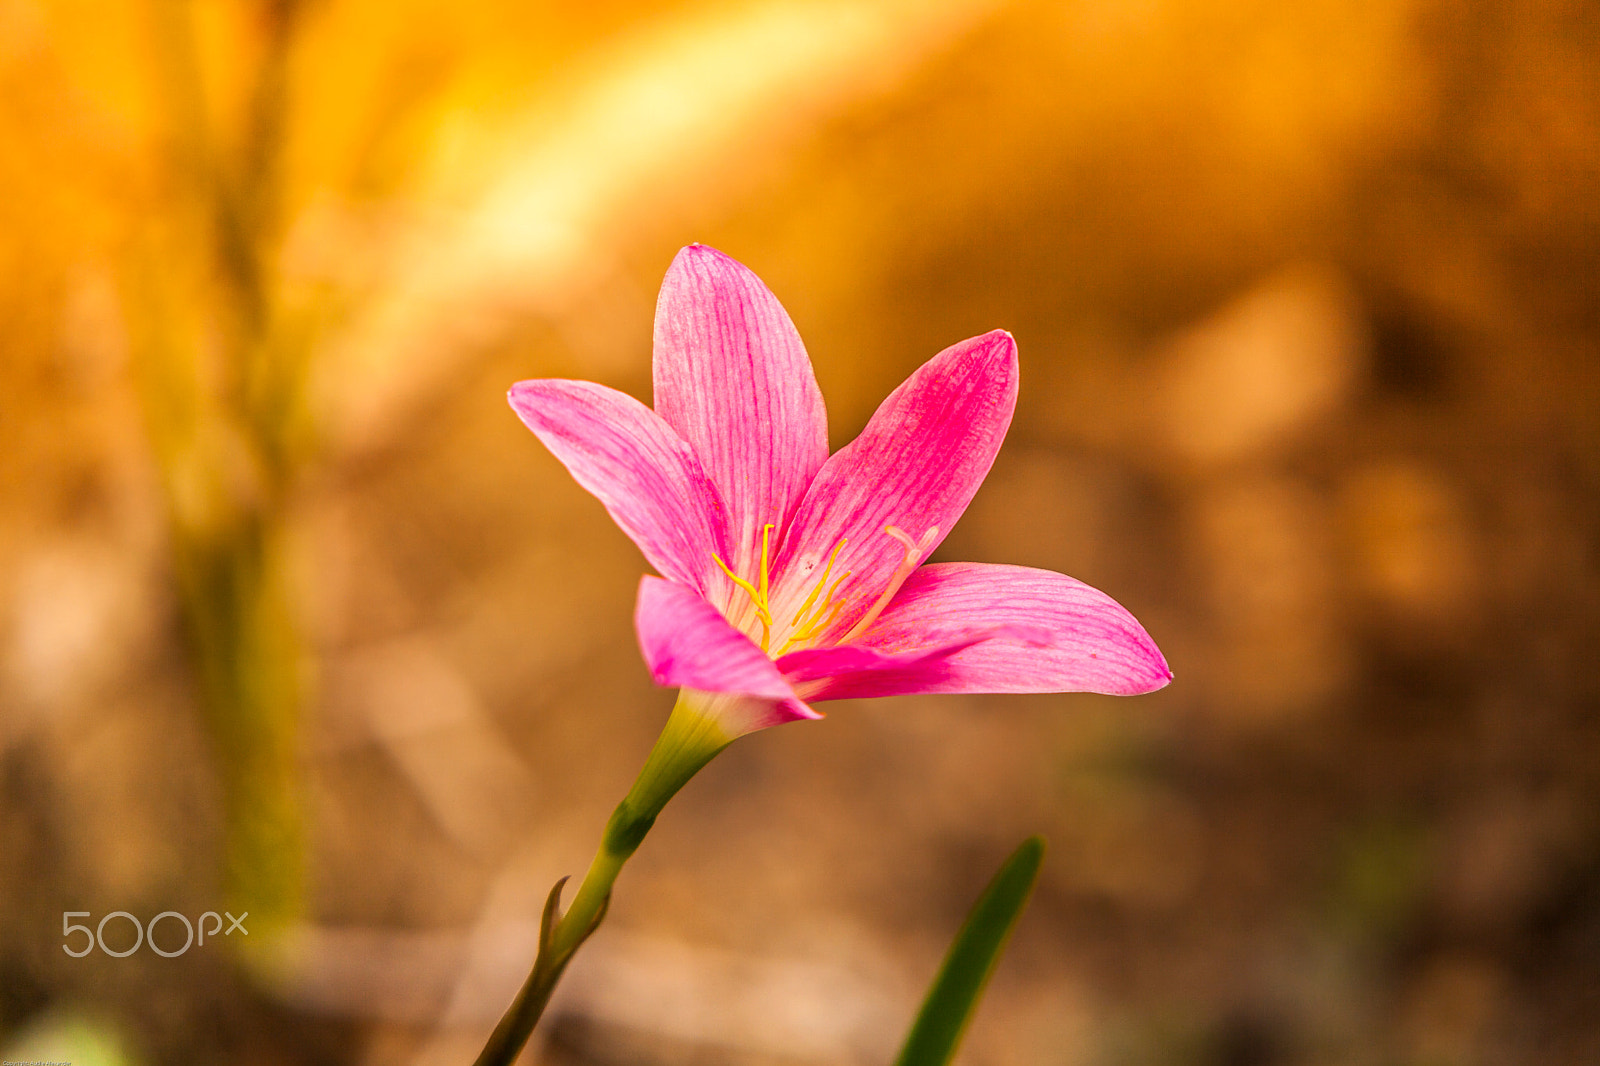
x=766, y=536
x=831, y=606
x=757, y=596
x=827, y=611
x=815, y=617
x=799, y=618
x=754, y=593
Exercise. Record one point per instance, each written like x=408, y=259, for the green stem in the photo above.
x=693, y=735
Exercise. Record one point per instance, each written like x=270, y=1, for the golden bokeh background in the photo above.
x=295, y=618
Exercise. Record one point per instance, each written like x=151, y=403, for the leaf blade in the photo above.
x=953, y=997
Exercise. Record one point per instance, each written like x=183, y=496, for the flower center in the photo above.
x=823, y=606
x=812, y=616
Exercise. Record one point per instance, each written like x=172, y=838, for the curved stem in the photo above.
x=516, y=1025
x=688, y=742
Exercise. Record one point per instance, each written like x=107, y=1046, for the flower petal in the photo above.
x=732, y=377
x=647, y=477
x=915, y=466
x=1090, y=642
x=846, y=670
x=687, y=643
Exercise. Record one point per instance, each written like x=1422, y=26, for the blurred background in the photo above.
x=296, y=619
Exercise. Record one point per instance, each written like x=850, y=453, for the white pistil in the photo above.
x=915, y=551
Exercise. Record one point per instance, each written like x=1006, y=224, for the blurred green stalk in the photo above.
x=249, y=659
x=221, y=388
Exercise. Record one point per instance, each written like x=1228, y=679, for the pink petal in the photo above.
x=647, y=477
x=732, y=377
x=860, y=670
x=1068, y=637
x=687, y=643
x=916, y=466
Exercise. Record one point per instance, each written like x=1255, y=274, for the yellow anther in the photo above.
x=766, y=536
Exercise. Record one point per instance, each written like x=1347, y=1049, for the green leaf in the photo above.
x=954, y=996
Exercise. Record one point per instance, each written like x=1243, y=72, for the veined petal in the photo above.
x=687, y=643
x=646, y=476
x=851, y=670
x=915, y=466
x=733, y=379
x=1092, y=643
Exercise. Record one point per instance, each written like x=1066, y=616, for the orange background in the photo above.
x=295, y=614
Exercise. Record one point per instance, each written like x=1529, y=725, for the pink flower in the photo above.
x=789, y=576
